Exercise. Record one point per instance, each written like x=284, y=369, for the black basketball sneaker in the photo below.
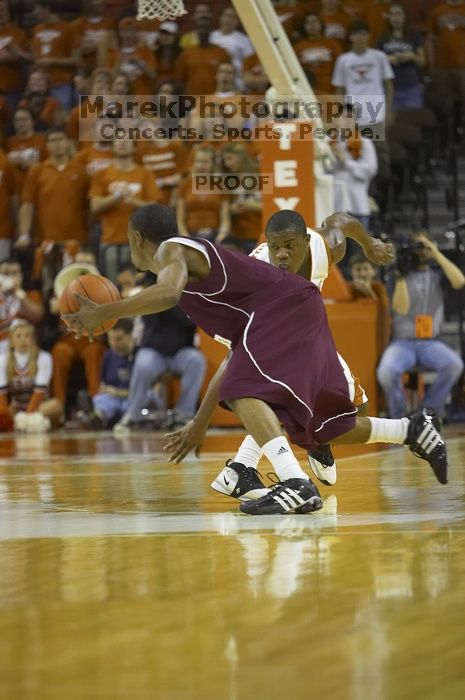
x=289, y=496
x=239, y=481
x=426, y=442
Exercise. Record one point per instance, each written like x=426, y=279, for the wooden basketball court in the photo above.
x=125, y=577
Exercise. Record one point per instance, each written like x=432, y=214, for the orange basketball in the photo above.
x=94, y=287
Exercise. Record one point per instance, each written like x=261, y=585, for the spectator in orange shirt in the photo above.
x=364, y=285
x=8, y=204
x=99, y=85
x=13, y=52
x=167, y=50
x=55, y=196
x=115, y=193
x=245, y=208
x=317, y=54
x=26, y=147
x=138, y=62
x=337, y=23
x=255, y=79
x=376, y=16
x=93, y=34
x=166, y=159
x=121, y=85
x=52, y=49
x=203, y=214
x=196, y=67
x=47, y=111
x=201, y=13
x=446, y=51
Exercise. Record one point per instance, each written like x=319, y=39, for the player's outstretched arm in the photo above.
x=339, y=226
x=172, y=277
x=192, y=435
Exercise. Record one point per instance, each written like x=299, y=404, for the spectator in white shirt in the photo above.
x=236, y=43
x=364, y=75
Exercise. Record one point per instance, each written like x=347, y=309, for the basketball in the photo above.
x=96, y=288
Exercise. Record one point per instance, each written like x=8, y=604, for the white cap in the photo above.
x=170, y=27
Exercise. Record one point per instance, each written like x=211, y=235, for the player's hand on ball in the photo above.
x=181, y=442
x=88, y=318
x=380, y=253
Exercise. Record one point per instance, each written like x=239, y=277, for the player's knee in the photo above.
x=363, y=409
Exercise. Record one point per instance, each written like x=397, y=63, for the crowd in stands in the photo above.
x=64, y=199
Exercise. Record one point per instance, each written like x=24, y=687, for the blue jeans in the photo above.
x=109, y=406
x=188, y=363
x=401, y=355
x=410, y=97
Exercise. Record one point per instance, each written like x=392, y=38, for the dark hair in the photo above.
x=359, y=26
x=286, y=220
x=155, y=222
x=126, y=267
x=124, y=324
x=359, y=259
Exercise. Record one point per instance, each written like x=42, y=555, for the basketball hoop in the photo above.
x=160, y=9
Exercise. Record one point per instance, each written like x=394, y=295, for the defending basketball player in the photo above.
x=308, y=252
x=277, y=327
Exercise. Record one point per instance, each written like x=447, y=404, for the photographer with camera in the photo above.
x=418, y=312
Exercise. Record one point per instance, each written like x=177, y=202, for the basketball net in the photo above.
x=160, y=9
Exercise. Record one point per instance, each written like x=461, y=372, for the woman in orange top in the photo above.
x=245, y=207
x=204, y=214
x=317, y=54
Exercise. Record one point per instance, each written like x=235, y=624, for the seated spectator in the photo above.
x=13, y=55
x=93, y=34
x=25, y=373
x=15, y=302
x=167, y=346
x=404, y=50
x=207, y=55
x=45, y=109
x=138, y=62
x=317, y=54
x=203, y=214
x=52, y=49
x=8, y=205
x=201, y=13
x=236, y=43
x=112, y=399
x=127, y=280
x=418, y=312
x=245, y=208
x=26, y=147
x=167, y=50
x=364, y=285
x=116, y=191
x=55, y=196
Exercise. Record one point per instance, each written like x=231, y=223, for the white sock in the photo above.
x=393, y=430
x=249, y=453
x=283, y=459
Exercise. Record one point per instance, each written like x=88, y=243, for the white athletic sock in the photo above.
x=249, y=453
x=393, y=430
x=283, y=459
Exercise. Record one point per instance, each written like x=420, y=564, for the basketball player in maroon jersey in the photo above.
x=278, y=329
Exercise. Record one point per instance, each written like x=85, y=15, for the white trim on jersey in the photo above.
x=200, y=246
